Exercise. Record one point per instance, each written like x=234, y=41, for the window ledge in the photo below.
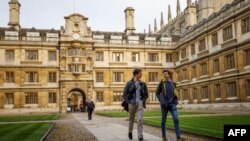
x=8, y=106
x=31, y=62
x=217, y=74
x=232, y=98
x=247, y=67
x=217, y=99
x=228, y=42
x=204, y=76
x=205, y=100
x=194, y=79
x=30, y=105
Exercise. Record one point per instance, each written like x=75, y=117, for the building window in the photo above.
x=74, y=51
x=193, y=49
x=31, y=55
x=214, y=39
x=245, y=25
x=169, y=57
x=83, y=68
x=194, y=72
x=202, y=45
x=216, y=66
x=227, y=33
x=31, y=98
x=195, y=96
x=248, y=88
x=9, y=98
x=99, y=56
x=52, y=76
x=135, y=57
x=52, y=56
x=152, y=96
x=152, y=57
x=118, y=97
x=52, y=97
x=185, y=94
x=229, y=63
x=99, y=77
x=177, y=56
x=153, y=76
x=204, y=69
x=178, y=76
x=99, y=96
x=247, y=57
x=118, y=56
x=231, y=89
x=9, y=55
x=118, y=77
x=31, y=77
x=10, y=77
x=184, y=74
x=217, y=91
x=204, y=92
x=74, y=68
x=183, y=53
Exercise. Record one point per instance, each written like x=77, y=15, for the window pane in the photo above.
x=9, y=55
x=52, y=56
x=31, y=55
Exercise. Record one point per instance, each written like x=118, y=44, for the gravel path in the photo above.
x=67, y=128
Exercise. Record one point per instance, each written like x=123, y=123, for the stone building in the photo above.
x=206, y=46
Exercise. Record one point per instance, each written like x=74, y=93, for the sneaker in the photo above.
x=140, y=139
x=164, y=139
x=130, y=136
x=180, y=138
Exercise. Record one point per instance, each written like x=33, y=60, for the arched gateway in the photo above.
x=76, y=100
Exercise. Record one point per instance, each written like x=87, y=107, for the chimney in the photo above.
x=129, y=18
x=14, y=14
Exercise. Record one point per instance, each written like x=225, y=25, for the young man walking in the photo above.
x=165, y=93
x=135, y=94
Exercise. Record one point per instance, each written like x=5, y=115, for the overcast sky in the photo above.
x=104, y=15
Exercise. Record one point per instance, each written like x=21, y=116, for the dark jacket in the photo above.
x=90, y=105
x=130, y=90
x=165, y=98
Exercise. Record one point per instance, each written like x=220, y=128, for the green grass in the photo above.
x=23, y=132
x=27, y=118
x=145, y=114
x=207, y=125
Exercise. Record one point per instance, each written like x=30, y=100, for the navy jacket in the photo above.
x=167, y=97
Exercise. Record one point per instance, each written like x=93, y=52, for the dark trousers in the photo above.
x=164, y=111
x=90, y=114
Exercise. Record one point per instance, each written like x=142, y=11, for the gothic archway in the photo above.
x=76, y=100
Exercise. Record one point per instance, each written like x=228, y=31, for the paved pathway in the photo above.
x=106, y=129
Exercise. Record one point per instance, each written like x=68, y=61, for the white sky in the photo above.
x=104, y=15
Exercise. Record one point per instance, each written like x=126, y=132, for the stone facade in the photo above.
x=57, y=70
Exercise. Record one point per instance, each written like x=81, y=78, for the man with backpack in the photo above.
x=135, y=94
x=166, y=94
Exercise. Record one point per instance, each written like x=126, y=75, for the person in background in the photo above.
x=90, y=108
x=165, y=93
x=135, y=94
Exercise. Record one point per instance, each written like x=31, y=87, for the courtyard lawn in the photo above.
x=145, y=114
x=204, y=125
x=23, y=131
x=14, y=118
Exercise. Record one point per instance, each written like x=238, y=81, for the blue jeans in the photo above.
x=164, y=112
